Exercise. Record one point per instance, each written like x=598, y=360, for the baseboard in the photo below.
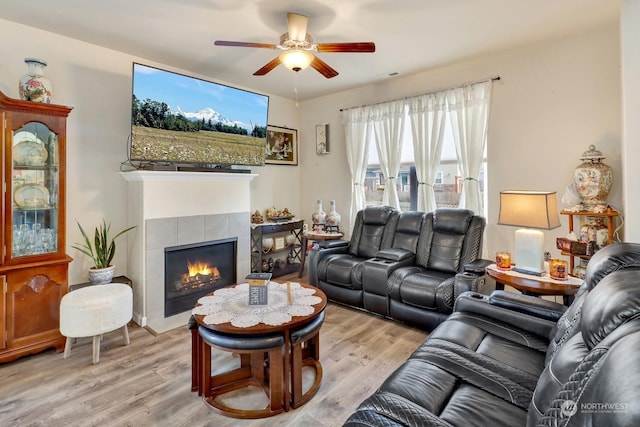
x=140, y=320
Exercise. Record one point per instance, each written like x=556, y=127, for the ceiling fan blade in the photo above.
x=244, y=44
x=322, y=67
x=363, y=47
x=297, y=26
x=268, y=67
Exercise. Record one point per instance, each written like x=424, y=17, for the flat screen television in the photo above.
x=177, y=120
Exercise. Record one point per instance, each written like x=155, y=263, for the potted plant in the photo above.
x=101, y=252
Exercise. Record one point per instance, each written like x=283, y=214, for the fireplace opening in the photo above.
x=192, y=271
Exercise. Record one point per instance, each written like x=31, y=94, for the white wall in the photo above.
x=97, y=83
x=630, y=34
x=553, y=100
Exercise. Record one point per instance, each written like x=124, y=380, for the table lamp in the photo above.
x=532, y=210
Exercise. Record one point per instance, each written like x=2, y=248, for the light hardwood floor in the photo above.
x=148, y=383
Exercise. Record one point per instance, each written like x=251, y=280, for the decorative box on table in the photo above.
x=574, y=247
x=258, y=286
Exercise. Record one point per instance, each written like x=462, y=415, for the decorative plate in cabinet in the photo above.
x=31, y=196
x=29, y=150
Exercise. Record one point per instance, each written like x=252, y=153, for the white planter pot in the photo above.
x=101, y=276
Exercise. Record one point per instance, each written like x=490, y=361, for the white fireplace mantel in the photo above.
x=142, y=175
x=181, y=208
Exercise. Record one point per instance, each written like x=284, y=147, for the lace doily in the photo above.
x=232, y=305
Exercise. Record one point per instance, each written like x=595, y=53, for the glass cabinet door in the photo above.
x=35, y=181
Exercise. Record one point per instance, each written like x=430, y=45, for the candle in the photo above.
x=558, y=269
x=289, y=293
x=503, y=260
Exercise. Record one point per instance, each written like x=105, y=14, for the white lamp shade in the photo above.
x=531, y=209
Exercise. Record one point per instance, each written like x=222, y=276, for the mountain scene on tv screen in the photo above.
x=161, y=134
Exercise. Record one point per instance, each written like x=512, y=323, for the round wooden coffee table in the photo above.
x=533, y=285
x=202, y=353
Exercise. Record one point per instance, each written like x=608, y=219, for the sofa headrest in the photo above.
x=613, y=302
x=410, y=222
x=617, y=256
x=376, y=215
x=452, y=220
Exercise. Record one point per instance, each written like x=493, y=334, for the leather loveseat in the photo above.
x=408, y=266
x=502, y=360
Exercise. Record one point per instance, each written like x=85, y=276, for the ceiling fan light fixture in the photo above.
x=296, y=59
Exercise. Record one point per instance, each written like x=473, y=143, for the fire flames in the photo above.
x=199, y=274
x=201, y=268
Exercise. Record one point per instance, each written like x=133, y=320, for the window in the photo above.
x=439, y=178
x=448, y=182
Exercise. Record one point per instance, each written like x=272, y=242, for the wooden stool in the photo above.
x=261, y=365
x=95, y=310
x=305, y=351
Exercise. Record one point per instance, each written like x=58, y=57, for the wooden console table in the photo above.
x=535, y=286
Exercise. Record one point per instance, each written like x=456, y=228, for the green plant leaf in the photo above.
x=104, y=248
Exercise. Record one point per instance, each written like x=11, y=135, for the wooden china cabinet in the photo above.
x=33, y=264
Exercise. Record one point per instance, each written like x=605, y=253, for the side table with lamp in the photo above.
x=535, y=211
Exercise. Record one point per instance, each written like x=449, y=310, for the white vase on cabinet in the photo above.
x=333, y=217
x=34, y=86
x=318, y=217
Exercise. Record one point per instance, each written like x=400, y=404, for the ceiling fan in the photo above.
x=297, y=46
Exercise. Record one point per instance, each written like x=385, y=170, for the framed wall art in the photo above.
x=282, y=146
x=322, y=138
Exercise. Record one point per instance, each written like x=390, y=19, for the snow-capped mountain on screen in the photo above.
x=209, y=114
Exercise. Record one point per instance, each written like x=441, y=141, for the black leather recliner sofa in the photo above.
x=502, y=360
x=408, y=266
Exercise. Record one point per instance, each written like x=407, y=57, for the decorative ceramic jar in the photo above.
x=319, y=216
x=580, y=271
x=602, y=233
x=588, y=231
x=333, y=217
x=592, y=179
x=34, y=86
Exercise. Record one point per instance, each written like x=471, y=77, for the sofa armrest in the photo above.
x=478, y=266
x=316, y=256
x=527, y=304
x=376, y=272
x=474, y=282
x=328, y=244
x=474, y=303
x=392, y=254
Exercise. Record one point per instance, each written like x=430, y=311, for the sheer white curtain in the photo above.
x=357, y=130
x=469, y=113
x=428, y=117
x=388, y=127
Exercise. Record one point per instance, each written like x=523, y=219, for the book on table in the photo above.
x=258, y=285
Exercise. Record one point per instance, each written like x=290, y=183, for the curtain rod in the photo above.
x=426, y=93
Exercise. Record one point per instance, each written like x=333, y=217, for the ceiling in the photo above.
x=410, y=35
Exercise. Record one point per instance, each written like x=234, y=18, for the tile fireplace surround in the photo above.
x=179, y=208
